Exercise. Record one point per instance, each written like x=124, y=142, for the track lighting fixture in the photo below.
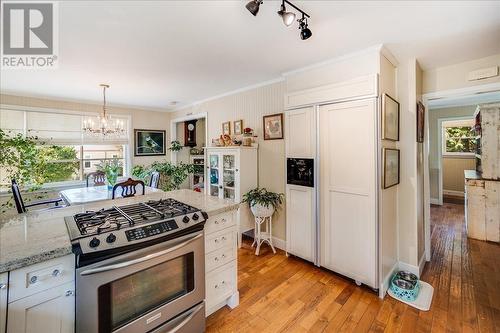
x=287, y=17
x=253, y=6
x=305, y=32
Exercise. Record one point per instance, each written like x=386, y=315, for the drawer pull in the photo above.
x=56, y=273
x=69, y=293
x=220, y=284
x=216, y=259
x=216, y=222
x=3, y=285
x=33, y=279
x=216, y=240
x=223, y=238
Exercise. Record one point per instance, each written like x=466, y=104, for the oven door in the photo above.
x=142, y=290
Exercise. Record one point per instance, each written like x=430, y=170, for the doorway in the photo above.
x=449, y=149
x=190, y=132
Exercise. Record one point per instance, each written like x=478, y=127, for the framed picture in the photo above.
x=420, y=122
x=149, y=142
x=273, y=126
x=390, y=118
x=391, y=167
x=238, y=127
x=226, y=128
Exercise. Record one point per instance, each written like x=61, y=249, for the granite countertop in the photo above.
x=472, y=174
x=37, y=236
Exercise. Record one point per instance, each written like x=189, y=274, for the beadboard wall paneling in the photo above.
x=141, y=119
x=251, y=106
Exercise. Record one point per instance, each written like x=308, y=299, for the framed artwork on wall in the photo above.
x=420, y=122
x=273, y=126
x=149, y=142
x=238, y=127
x=391, y=168
x=390, y=118
x=226, y=128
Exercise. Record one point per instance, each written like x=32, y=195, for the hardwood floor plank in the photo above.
x=287, y=294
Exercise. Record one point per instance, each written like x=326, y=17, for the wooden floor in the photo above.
x=280, y=294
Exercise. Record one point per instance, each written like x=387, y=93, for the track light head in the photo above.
x=253, y=6
x=288, y=17
x=305, y=32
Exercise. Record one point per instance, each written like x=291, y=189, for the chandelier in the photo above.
x=103, y=125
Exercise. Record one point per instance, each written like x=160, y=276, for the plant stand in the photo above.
x=260, y=237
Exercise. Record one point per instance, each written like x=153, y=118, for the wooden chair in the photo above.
x=99, y=178
x=154, y=181
x=128, y=188
x=22, y=207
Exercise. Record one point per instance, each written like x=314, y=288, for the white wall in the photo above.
x=455, y=76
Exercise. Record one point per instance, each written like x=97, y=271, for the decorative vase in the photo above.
x=259, y=210
x=111, y=177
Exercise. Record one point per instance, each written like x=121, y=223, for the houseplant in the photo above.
x=263, y=202
x=112, y=168
x=171, y=175
x=175, y=146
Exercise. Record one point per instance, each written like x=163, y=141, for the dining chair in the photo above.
x=154, y=181
x=22, y=207
x=99, y=178
x=128, y=188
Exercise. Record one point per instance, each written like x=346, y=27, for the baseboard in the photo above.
x=421, y=265
x=409, y=268
x=387, y=279
x=454, y=193
x=434, y=201
x=279, y=243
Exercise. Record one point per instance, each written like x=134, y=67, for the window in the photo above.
x=70, y=155
x=459, y=138
x=74, y=163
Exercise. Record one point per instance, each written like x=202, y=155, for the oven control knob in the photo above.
x=111, y=238
x=185, y=219
x=195, y=217
x=94, y=242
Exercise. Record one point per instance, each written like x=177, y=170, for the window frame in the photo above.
x=127, y=158
x=456, y=123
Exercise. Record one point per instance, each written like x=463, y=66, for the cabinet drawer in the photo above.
x=32, y=279
x=218, y=240
x=219, y=222
x=219, y=258
x=220, y=284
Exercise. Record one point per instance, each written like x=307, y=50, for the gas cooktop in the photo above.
x=119, y=226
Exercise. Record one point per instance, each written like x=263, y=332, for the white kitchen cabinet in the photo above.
x=221, y=283
x=348, y=190
x=4, y=280
x=49, y=311
x=300, y=133
x=300, y=222
x=231, y=172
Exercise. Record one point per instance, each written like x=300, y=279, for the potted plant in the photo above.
x=111, y=168
x=263, y=202
x=175, y=146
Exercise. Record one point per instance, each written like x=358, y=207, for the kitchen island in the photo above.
x=37, y=264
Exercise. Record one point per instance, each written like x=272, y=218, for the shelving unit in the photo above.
x=197, y=179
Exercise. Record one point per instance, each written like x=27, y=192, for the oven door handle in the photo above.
x=142, y=259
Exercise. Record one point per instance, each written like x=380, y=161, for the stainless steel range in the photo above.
x=140, y=268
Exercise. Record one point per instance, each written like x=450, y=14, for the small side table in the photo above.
x=260, y=236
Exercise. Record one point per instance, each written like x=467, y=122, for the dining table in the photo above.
x=83, y=195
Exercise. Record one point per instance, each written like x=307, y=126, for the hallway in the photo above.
x=280, y=294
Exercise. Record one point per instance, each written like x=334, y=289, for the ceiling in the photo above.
x=156, y=52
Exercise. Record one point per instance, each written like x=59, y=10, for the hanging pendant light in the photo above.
x=104, y=125
x=253, y=6
x=288, y=17
x=305, y=32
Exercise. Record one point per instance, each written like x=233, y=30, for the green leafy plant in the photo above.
x=112, y=168
x=175, y=146
x=171, y=175
x=263, y=197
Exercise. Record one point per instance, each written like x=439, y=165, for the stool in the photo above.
x=259, y=236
